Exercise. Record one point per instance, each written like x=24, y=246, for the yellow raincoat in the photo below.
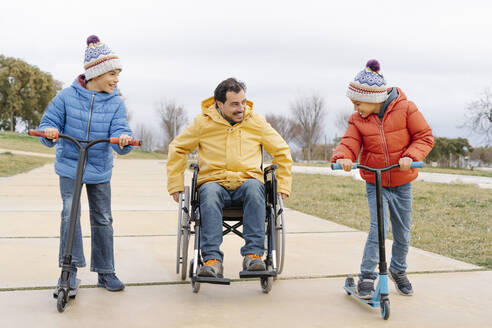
x=228, y=154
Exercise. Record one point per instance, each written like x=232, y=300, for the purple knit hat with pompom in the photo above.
x=99, y=59
x=368, y=85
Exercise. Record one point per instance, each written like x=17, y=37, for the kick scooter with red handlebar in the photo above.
x=63, y=292
x=380, y=297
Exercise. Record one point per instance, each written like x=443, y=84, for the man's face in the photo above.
x=233, y=108
x=107, y=82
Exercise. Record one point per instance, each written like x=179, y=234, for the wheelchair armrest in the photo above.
x=194, y=166
x=272, y=167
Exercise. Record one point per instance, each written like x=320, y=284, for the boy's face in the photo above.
x=234, y=107
x=365, y=109
x=107, y=82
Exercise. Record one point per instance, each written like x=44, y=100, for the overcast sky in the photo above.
x=438, y=52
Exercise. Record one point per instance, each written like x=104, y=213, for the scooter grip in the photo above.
x=36, y=133
x=416, y=165
x=133, y=142
x=337, y=166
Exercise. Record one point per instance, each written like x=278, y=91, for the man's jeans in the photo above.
x=399, y=201
x=213, y=197
x=102, y=254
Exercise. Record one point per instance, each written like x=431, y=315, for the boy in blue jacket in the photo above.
x=90, y=109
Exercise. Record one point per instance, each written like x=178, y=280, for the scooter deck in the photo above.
x=72, y=292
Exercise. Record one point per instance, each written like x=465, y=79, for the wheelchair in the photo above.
x=189, y=223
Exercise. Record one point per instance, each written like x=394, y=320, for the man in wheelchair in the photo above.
x=229, y=137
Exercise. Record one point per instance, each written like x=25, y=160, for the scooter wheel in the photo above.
x=385, y=309
x=61, y=302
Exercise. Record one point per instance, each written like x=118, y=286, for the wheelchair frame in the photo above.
x=189, y=222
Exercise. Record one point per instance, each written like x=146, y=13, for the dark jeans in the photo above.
x=213, y=197
x=398, y=200
x=102, y=253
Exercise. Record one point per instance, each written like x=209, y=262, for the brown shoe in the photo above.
x=211, y=268
x=253, y=262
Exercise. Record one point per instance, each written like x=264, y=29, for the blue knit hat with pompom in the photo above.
x=368, y=85
x=99, y=59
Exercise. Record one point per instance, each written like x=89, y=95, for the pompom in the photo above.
x=373, y=65
x=93, y=39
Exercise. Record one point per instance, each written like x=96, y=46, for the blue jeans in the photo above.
x=399, y=202
x=102, y=254
x=213, y=198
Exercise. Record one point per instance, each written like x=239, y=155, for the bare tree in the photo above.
x=478, y=117
x=341, y=120
x=285, y=126
x=146, y=136
x=309, y=112
x=172, y=119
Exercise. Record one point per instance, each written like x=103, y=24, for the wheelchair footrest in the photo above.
x=257, y=274
x=212, y=280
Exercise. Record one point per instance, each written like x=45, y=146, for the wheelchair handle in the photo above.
x=271, y=167
x=337, y=166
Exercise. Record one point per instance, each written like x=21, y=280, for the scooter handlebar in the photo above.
x=414, y=165
x=133, y=142
x=36, y=133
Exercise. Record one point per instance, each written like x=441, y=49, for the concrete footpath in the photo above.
x=309, y=293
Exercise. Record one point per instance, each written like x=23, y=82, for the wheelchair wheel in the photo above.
x=267, y=282
x=183, y=234
x=280, y=236
x=195, y=285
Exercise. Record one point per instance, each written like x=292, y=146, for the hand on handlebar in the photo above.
x=124, y=140
x=346, y=164
x=51, y=133
x=405, y=163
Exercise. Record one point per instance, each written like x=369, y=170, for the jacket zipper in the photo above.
x=385, y=147
x=90, y=116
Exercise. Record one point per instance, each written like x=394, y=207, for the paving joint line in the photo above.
x=167, y=283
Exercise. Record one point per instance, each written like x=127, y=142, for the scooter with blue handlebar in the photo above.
x=380, y=297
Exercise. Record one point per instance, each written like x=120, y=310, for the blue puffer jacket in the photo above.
x=86, y=115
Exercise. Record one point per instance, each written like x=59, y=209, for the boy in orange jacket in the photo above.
x=389, y=129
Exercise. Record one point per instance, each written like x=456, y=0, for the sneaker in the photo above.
x=253, y=262
x=402, y=284
x=365, y=287
x=72, y=278
x=110, y=282
x=212, y=268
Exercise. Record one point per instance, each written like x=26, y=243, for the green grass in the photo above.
x=14, y=164
x=451, y=220
x=24, y=142
x=430, y=169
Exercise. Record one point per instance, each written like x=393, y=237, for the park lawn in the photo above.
x=453, y=220
x=24, y=142
x=11, y=164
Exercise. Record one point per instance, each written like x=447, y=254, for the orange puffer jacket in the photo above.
x=403, y=133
